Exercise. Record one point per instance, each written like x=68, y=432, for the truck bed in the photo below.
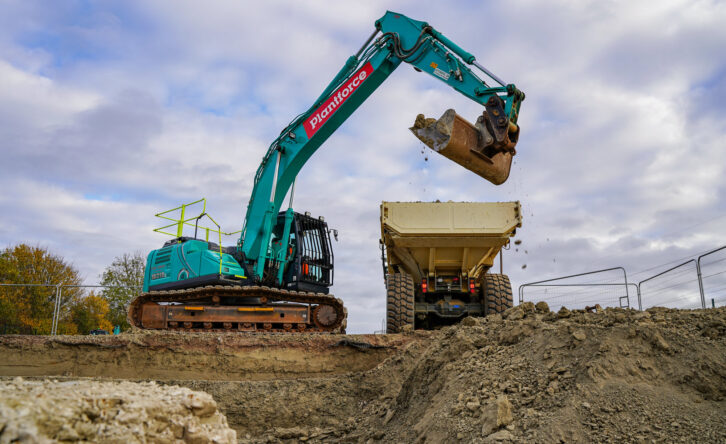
x=446, y=236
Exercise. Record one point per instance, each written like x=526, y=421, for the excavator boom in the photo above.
x=283, y=263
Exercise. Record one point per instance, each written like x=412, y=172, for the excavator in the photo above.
x=277, y=277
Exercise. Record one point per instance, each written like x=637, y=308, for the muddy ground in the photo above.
x=526, y=376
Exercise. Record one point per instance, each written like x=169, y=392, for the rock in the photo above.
x=109, y=412
x=542, y=307
x=389, y=416
x=658, y=342
x=293, y=432
x=641, y=315
x=469, y=321
x=502, y=435
x=473, y=405
x=407, y=329
x=579, y=334
x=527, y=307
x=509, y=336
x=504, y=411
x=513, y=314
x=564, y=313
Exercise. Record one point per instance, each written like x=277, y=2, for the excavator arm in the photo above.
x=485, y=148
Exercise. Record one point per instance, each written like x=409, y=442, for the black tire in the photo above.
x=497, y=293
x=399, y=302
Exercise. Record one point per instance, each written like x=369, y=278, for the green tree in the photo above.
x=30, y=309
x=123, y=278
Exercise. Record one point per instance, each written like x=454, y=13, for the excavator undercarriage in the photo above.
x=236, y=308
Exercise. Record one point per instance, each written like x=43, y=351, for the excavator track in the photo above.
x=327, y=313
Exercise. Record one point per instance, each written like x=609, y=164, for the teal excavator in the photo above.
x=277, y=277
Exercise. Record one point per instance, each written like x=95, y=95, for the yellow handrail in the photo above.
x=181, y=222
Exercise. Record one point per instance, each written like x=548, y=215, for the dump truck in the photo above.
x=437, y=260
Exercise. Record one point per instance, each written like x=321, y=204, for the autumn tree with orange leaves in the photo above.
x=29, y=309
x=89, y=313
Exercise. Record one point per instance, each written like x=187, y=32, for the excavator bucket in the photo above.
x=485, y=148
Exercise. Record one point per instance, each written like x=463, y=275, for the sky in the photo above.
x=112, y=111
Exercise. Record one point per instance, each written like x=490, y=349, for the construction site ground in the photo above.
x=529, y=375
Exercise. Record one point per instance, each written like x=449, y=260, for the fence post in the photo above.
x=668, y=271
x=700, y=282
x=640, y=303
x=700, y=277
x=56, y=310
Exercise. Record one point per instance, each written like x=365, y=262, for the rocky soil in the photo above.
x=110, y=412
x=176, y=356
x=528, y=375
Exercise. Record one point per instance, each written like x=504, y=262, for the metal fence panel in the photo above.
x=676, y=287
x=608, y=287
x=711, y=268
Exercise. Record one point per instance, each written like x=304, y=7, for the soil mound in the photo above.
x=110, y=412
x=528, y=375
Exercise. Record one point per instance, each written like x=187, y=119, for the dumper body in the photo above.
x=437, y=258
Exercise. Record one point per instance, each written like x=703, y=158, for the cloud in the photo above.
x=111, y=113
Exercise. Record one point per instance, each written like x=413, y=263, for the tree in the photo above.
x=89, y=313
x=124, y=279
x=30, y=308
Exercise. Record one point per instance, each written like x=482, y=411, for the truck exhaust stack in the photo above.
x=485, y=148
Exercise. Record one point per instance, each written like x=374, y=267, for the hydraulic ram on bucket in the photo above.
x=485, y=148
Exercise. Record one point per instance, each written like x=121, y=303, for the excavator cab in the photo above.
x=486, y=147
x=310, y=251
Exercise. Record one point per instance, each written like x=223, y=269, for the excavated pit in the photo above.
x=528, y=375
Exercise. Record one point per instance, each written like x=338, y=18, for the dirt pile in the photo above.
x=527, y=376
x=111, y=412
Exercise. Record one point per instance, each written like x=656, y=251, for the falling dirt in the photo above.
x=528, y=375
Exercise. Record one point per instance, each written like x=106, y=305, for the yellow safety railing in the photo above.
x=181, y=222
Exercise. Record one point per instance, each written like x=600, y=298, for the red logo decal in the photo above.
x=321, y=115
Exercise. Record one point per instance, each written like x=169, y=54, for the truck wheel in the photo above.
x=497, y=293
x=399, y=302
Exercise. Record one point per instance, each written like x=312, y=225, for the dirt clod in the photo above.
x=542, y=307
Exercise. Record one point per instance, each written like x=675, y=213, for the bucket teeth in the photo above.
x=485, y=148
